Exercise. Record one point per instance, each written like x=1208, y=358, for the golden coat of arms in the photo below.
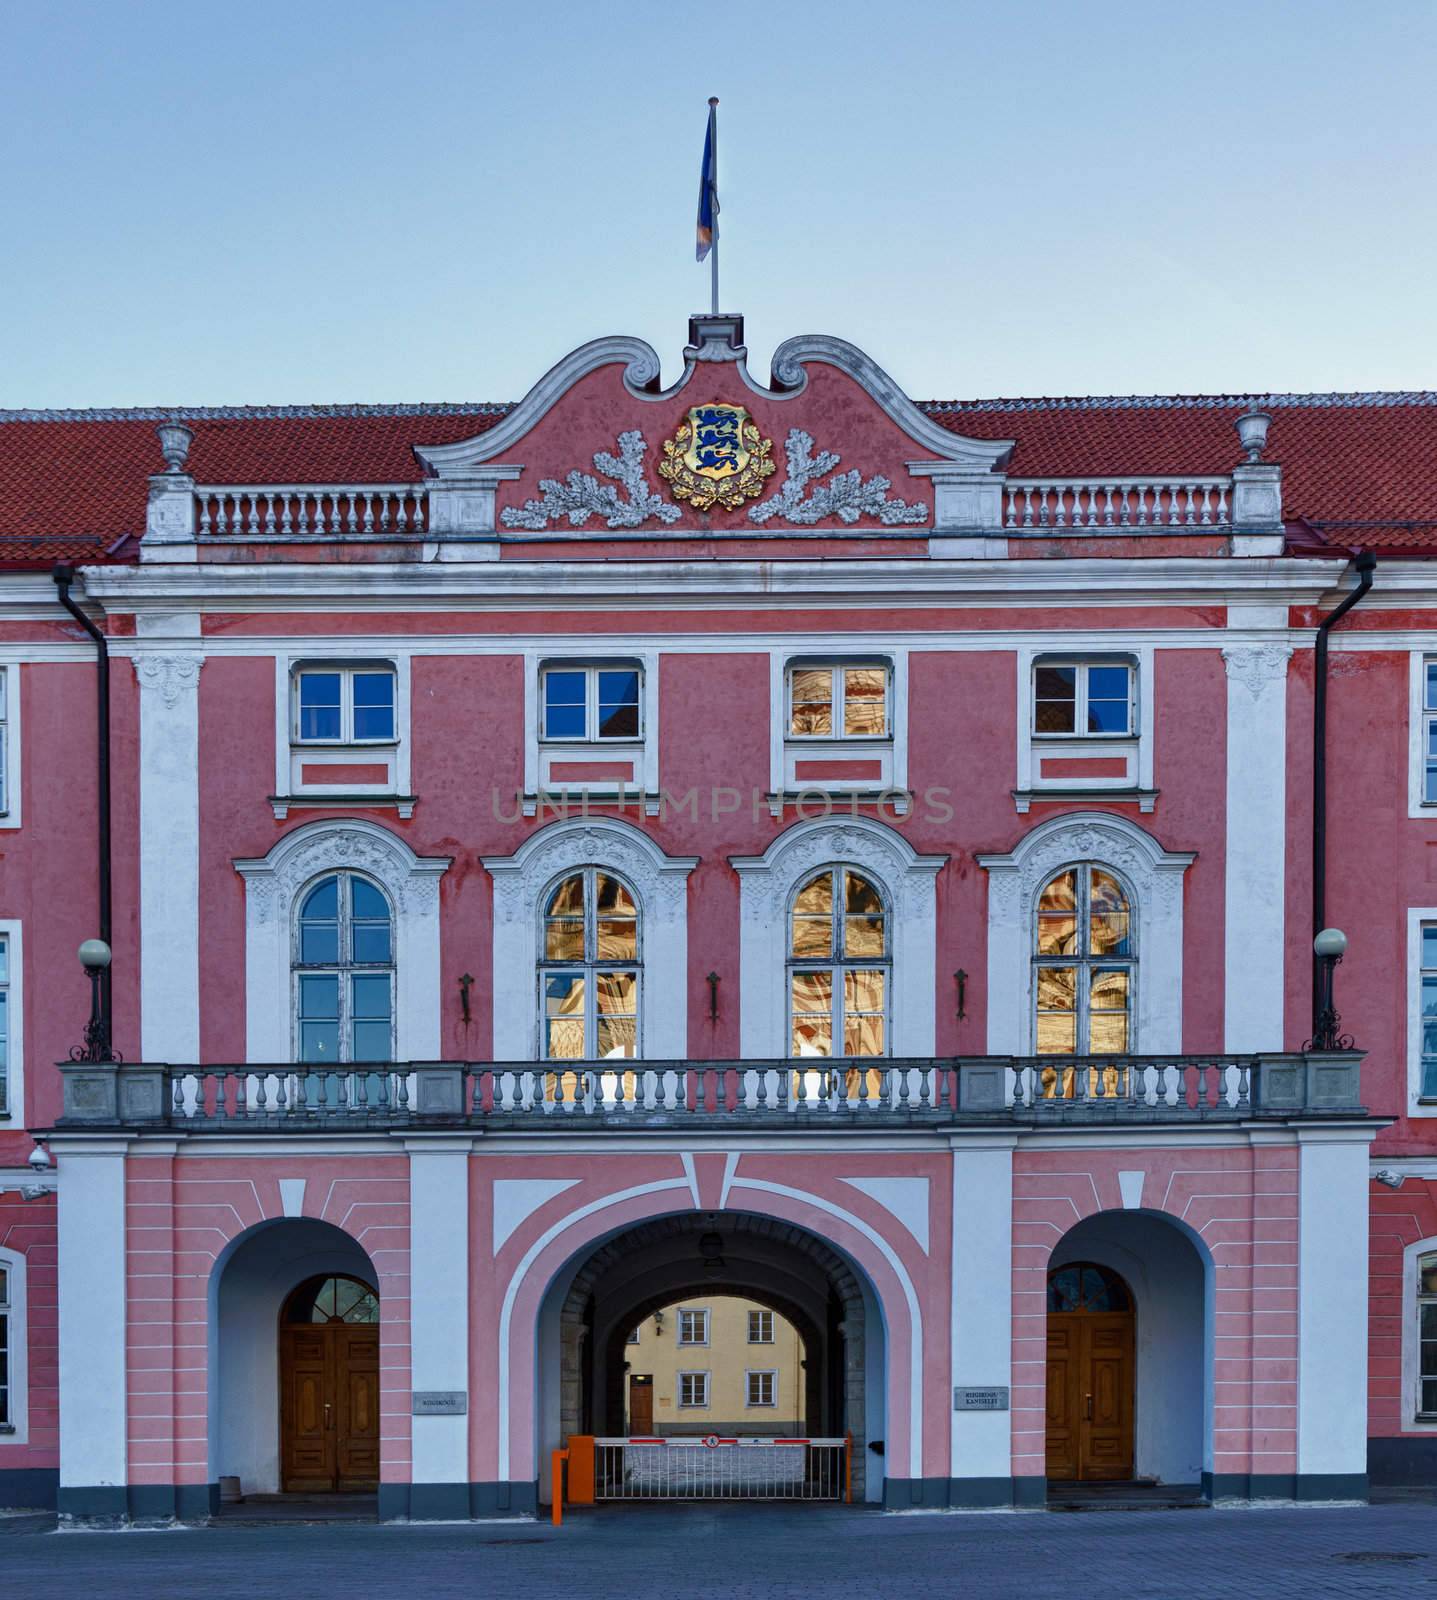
x=716, y=458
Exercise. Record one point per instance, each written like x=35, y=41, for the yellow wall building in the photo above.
x=716, y=1364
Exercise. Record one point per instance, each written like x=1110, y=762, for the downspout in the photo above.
x=64, y=576
x=1365, y=563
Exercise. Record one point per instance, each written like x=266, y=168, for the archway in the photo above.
x=1130, y=1368
x=593, y=1304
x=255, y=1284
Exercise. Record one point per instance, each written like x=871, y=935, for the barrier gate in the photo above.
x=709, y=1468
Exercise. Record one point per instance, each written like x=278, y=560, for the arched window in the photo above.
x=589, y=969
x=1086, y=960
x=344, y=972
x=838, y=967
x=1085, y=1287
x=1427, y=1338
x=332, y=1300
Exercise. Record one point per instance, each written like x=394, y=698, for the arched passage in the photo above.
x=595, y=1301
x=1151, y=1352
x=251, y=1284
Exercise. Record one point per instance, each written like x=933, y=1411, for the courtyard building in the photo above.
x=754, y=883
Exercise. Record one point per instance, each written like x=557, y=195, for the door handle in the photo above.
x=1087, y=1408
x=328, y=1416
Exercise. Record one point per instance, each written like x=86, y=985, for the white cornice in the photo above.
x=516, y=585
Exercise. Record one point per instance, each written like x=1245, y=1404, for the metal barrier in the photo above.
x=716, y=1468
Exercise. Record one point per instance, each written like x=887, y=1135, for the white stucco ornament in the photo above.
x=581, y=495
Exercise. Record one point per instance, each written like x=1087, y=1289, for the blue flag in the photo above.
x=708, y=188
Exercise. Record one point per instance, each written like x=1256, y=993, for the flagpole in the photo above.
x=713, y=254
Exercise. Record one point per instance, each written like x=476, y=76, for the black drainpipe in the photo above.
x=1365, y=564
x=64, y=576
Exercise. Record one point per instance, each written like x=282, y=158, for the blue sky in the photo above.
x=257, y=202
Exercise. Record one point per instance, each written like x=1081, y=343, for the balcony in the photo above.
x=780, y=1095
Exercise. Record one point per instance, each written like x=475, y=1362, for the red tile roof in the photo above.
x=73, y=484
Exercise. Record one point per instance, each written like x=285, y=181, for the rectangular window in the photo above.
x=4, y=743
x=4, y=1025
x=1429, y=732
x=838, y=702
x=763, y=1389
x=1081, y=699
x=344, y=705
x=1428, y=1024
x=694, y=1327
x=6, y=1418
x=590, y=704
x=760, y=1327
x=633, y=1336
x=693, y=1390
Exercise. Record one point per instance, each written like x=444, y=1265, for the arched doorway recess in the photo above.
x=258, y=1281
x=592, y=1306
x=1130, y=1352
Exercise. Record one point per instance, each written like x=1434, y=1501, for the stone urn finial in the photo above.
x=1252, y=428
x=174, y=444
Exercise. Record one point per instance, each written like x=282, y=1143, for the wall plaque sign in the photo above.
x=992, y=1398
x=440, y=1402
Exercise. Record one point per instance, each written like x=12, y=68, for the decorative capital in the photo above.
x=1255, y=666
x=169, y=676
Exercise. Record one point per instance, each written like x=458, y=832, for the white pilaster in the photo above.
x=1255, y=881
x=92, y=1314
x=169, y=854
x=1332, y=1305
x=982, y=1290
x=439, y=1300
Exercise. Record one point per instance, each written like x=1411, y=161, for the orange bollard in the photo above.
x=556, y=1472
x=581, y=1469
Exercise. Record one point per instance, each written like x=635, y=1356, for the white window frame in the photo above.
x=302, y=856
x=1082, y=666
x=1417, y=717
x=288, y=749
x=11, y=749
x=591, y=671
x=838, y=965
x=767, y=884
x=659, y=884
x=348, y=671
x=893, y=747
x=644, y=749
x=750, y=1404
x=1030, y=746
x=702, y=1312
x=588, y=965
x=1411, y=1345
x=1153, y=877
x=1417, y=918
x=18, y=1334
x=844, y=665
x=341, y=969
x=701, y=1381
x=772, y=1332
x=13, y=1117
x=1083, y=961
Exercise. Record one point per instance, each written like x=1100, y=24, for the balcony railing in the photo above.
x=299, y=511
x=926, y=1091
x=1096, y=504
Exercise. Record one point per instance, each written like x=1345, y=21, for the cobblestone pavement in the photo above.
x=737, y=1553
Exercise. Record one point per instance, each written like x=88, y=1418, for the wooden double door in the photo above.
x=1090, y=1390
x=329, y=1406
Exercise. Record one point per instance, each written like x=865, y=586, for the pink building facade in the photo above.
x=766, y=836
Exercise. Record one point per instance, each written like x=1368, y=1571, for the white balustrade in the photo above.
x=312, y=510
x=1117, y=503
